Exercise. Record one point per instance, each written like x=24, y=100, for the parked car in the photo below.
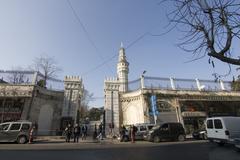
x=200, y=134
x=166, y=131
x=223, y=129
x=141, y=130
x=15, y=131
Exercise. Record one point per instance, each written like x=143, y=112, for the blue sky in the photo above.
x=30, y=28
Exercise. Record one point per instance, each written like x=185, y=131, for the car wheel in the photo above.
x=181, y=138
x=220, y=143
x=156, y=139
x=205, y=137
x=237, y=148
x=22, y=140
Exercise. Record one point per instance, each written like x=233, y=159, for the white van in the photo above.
x=223, y=129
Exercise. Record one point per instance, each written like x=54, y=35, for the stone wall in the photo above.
x=44, y=108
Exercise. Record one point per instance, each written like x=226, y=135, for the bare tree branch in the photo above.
x=210, y=27
x=47, y=66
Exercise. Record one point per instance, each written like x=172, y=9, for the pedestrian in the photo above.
x=95, y=132
x=122, y=133
x=68, y=133
x=31, y=134
x=84, y=132
x=76, y=132
x=100, y=129
x=133, y=131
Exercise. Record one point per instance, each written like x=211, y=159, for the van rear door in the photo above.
x=210, y=128
x=219, y=129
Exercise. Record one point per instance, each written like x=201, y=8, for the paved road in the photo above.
x=138, y=151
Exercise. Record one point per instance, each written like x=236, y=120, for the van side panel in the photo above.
x=233, y=126
x=230, y=124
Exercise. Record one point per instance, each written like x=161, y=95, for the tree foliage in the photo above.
x=210, y=27
x=235, y=85
x=94, y=114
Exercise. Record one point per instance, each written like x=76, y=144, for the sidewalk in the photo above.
x=58, y=143
x=61, y=139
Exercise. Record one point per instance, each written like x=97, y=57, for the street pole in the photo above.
x=112, y=112
x=3, y=110
x=104, y=123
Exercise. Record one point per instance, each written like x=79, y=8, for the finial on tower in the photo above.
x=121, y=45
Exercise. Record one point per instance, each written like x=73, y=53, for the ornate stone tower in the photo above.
x=73, y=90
x=113, y=87
x=122, y=70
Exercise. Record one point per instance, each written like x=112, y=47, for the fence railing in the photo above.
x=29, y=78
x=179, y=84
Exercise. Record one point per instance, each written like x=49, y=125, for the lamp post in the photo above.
x=142, y=79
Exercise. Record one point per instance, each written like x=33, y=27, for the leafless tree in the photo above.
x=210, y=27
x=47, y=66
x=17, y=75
x=85, y=99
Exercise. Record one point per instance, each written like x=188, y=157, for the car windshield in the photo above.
x=4, y=127
x=155, y=127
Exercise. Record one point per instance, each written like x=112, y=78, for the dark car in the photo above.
x=166, y=131
x=200, y=134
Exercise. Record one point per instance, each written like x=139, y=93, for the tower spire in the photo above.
x=122, y=69
x=121, y=46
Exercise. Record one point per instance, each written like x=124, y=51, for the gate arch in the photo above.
x=45, y=120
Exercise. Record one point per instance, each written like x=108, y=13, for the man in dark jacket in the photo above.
x=84, y=132
x=68, y=132
x=122, y=133
x=76, y=133
x=133, y=131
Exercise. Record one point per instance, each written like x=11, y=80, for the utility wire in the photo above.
x=85, y=31
x=95, y=47
x=128, y=46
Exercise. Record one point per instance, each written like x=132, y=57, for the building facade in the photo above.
x=49, y=107
x=188, y=101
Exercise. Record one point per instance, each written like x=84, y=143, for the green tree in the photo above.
x=235, y=85
x=94, y=114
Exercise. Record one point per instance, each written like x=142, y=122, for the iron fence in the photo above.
x=179, y=84
x=20, y=77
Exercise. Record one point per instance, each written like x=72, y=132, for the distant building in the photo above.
x=158, y=100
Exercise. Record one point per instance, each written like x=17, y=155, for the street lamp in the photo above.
x=143, y=73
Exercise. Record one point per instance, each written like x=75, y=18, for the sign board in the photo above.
x=154, y=110
x=194, y=114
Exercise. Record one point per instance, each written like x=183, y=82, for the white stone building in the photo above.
x=73, y=89
x=51, y=107
x=188, y=101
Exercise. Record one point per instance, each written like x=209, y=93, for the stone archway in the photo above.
x=45, y=120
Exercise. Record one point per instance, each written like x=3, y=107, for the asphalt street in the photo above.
x=137, y=151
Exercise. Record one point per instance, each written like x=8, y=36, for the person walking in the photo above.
x=95, y=132
x=133, y=131
x=122, y=133
x=84, y=132
x=76, y=133
x=31, y=134
x=68, y=133
x=100, y=129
